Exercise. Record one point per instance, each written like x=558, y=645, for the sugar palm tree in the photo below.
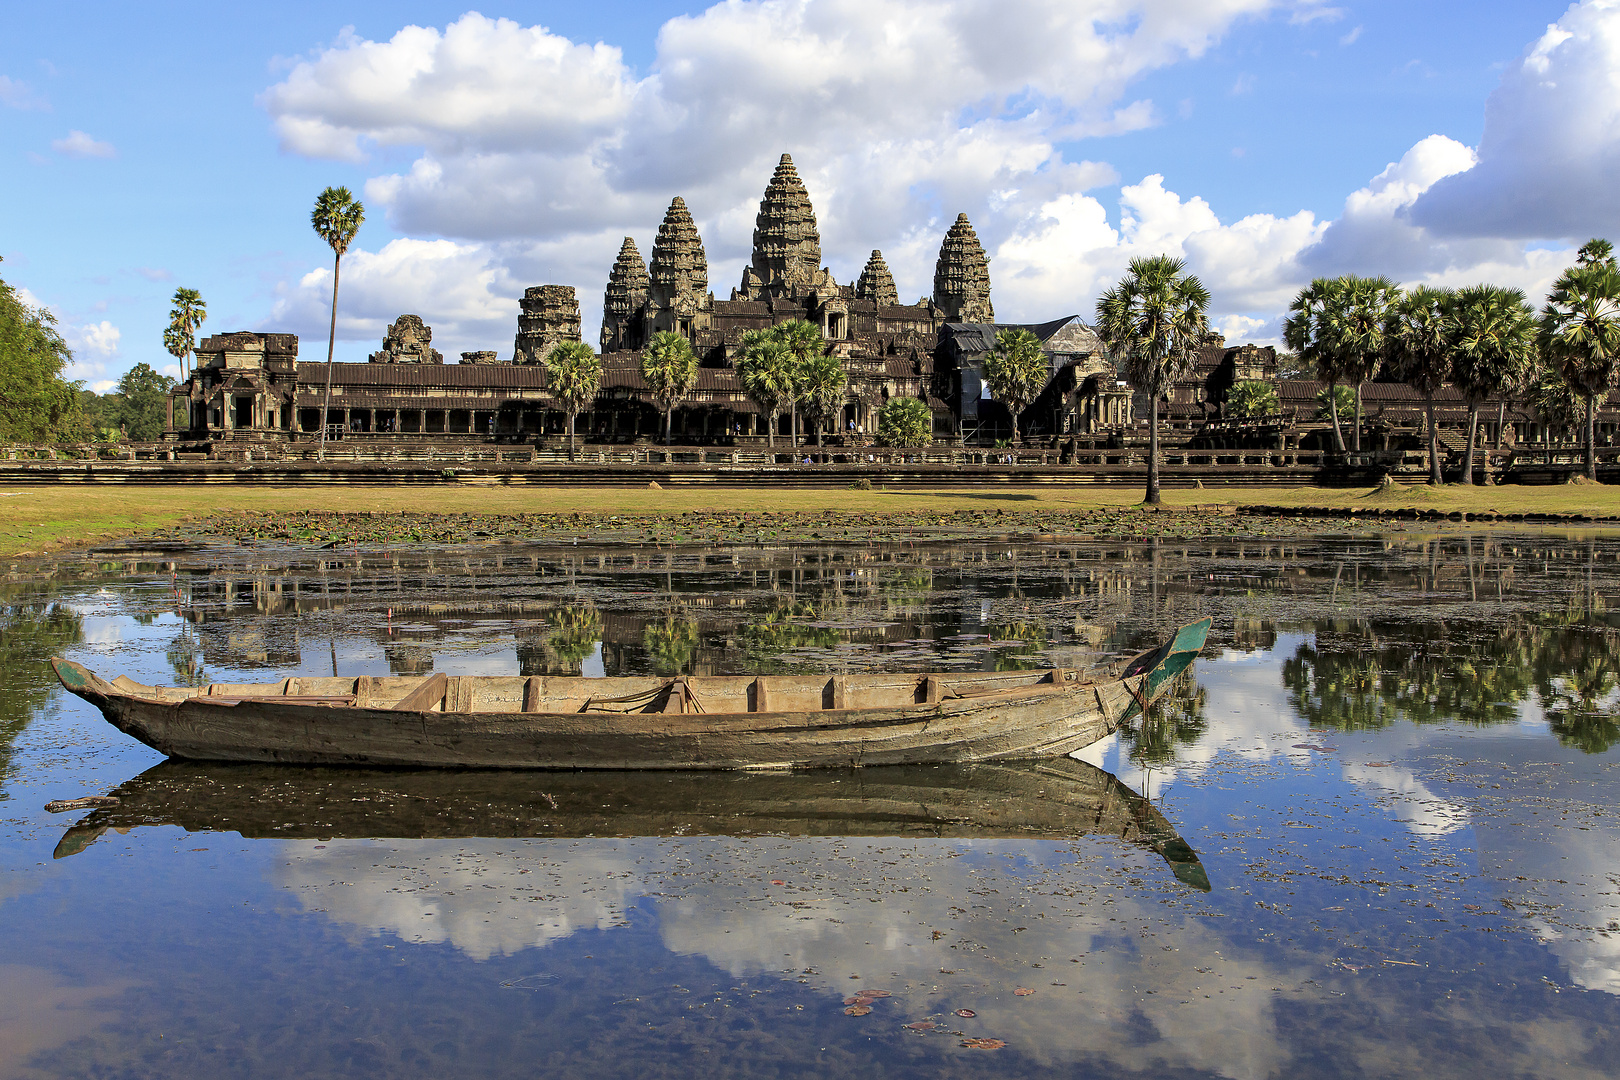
x=804, y=343
x=824, y=385
x=1251, y=399
x=1352, y=326
x=1580, y=333
x=1493, y=348
x=573, y=375
x=1152, y=324
x=670, y=369
x=1558, y=406
x=336, y=218
x=765, y=369
x=180, y=337
x=1303, y=332
x=1016, y=370
x=1417, y=351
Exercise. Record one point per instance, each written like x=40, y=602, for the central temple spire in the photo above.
x=787, y=247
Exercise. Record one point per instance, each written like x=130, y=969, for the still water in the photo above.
x=1377, y=833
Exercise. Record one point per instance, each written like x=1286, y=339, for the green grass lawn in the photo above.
x=49, y=518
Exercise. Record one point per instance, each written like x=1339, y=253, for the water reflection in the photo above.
x=1394, y=772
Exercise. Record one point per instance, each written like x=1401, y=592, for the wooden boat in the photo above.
x=699, y=722
x=1058, y=798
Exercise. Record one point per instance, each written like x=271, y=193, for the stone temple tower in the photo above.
x=787, y=247
x=876, y=283
x=626, y=292
x=962, y=276
x=548, y=316
x=677, y=294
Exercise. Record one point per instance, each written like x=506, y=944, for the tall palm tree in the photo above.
x=1152, y=323
x=1352, y=322
x=1417, y=351
x=1017, y=371
x=1580, y=333
x=180, y=337
x=765, y=369
x=337, y=217
x=1493, y=348
x=804, y=343
x=825, y=386
x=1303, y=333
x=670, y=369
x=573, y=375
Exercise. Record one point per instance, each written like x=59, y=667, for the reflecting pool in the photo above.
x=1376, y=832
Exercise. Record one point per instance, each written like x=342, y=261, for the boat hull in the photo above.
x=1043, y=716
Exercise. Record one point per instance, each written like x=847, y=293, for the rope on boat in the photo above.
x=644, y=696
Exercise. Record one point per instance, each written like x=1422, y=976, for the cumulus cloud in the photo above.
x=77, y=144
x=98, y=338
x=462, y=290
x=1551, y=144
x=534, y=155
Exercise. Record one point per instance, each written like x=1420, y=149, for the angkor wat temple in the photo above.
x=251, y=386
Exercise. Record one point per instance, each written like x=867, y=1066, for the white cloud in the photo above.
x=461, y=290
x=99, y=338
x=535, y=155
x=79, y=145
x=1551, y=144
x=1352, y=37
x=16, y=94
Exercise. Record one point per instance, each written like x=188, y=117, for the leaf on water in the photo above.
x=857, y=1010
x=983, y=1044
x=966, y=1012
x=1023, y=991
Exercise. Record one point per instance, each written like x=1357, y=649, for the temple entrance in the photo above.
x=244, y=412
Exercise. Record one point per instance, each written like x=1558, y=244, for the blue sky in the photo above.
x=1267, y=141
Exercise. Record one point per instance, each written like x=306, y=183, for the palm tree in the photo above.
x=1303, y=332
x=1352, y=322
x=1251, y=399
x=1017, y=370
x=1493, y=347
x=337, y=217
x=670, y=368
x=825, y=386
x=1416, y=350
x=764, y=367
x=804, y=343
x=1557, y=405
x=573, y=375
x=1580, y=333
x=1152, y=323
x=180, y=338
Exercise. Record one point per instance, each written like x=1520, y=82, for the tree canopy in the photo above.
x=36, y=404
x=1152, y=323
x=1580, y=332
x=670, y=369
x=905, y=421
x=180, y=337
x=1016, y=370
x=765, y=369
x=573, y=377
x=1417, y=350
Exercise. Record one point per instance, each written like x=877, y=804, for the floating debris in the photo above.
x=857, y=1010
x=983, y=1044
x=89, y=802
x=1023, y=991
x=966, y=1012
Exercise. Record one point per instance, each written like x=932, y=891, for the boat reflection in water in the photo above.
x=1052, y=798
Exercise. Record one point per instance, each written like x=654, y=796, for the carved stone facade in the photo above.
x=876, y=283
x=626, y=294
x=787, y=245
x=483, y=356
x=962, y=276
x=549, y=316
x=409, y=341
x=678, y=296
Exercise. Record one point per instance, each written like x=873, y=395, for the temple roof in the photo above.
x=962, y=275
x=876, y=283
x=787, y=247
x=678, y=252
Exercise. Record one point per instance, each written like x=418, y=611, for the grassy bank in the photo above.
x=46, y=519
